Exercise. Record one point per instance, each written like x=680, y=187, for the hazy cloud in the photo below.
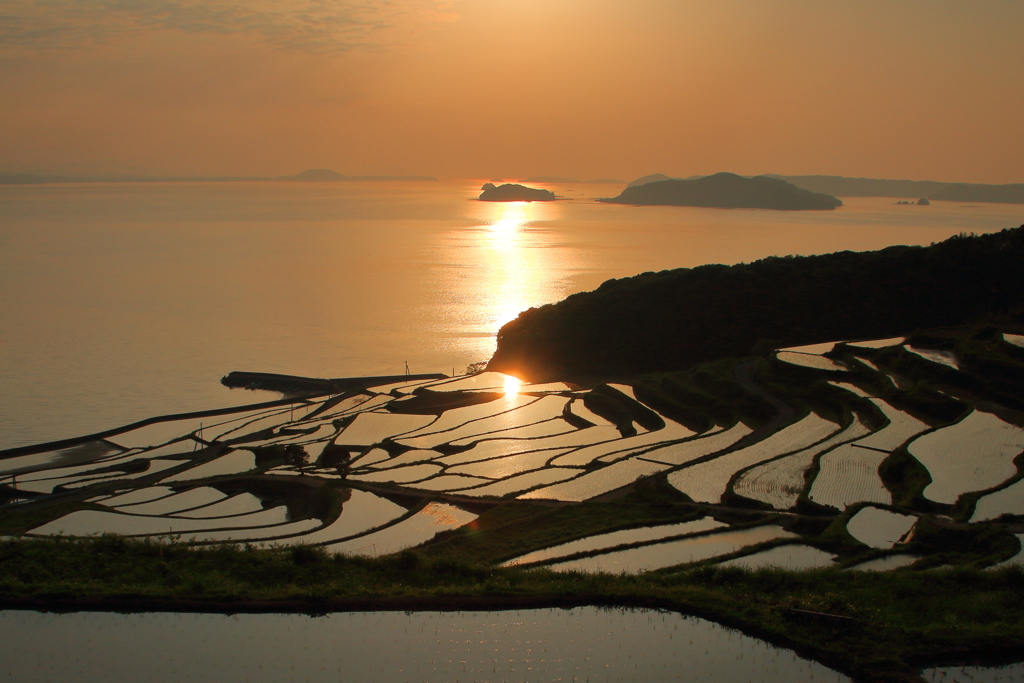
x=320, y=26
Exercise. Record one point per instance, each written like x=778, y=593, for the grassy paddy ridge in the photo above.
x=896, y=625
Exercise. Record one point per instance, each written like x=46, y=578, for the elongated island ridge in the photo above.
x=511, y=192
x=677, y=318
x=726, y=191
x=839, y=186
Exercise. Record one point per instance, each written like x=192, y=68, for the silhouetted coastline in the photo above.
x=511, y=192
x=726, y=191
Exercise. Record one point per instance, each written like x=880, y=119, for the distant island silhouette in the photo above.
x=926, y=189
x=726, y=191
x=511, y=192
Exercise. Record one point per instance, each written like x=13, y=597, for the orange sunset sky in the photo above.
x=921, y=89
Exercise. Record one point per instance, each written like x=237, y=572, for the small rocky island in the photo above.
x=511, y=192
x=727, y=191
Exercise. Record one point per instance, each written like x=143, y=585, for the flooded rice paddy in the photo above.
x=1007, y=501
x=617, y=538
x=880, y=528
x=581, y=644
x=707, y=482
x=671, y=553
x=848, y=474
x=789, y=556
x=974, y=454
x=780, y=482
x=947, y=358
x=810, y=360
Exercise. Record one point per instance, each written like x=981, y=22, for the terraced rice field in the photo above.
x=706, y=482
x=671, y=553
x=809, y=360
x=175, y=503
x=972, y=455
x=89, y=453
x=947, y=358
x=1008, y=501
x=593, y=484
x=156, y=434
x=401, y=475
x=413, y=530
x=902, y=427
x=577, y=408
x=235, y=462
x=523, y=482
x=617, y=538
x=373, y=427
x=623, y=447
x=240, y=504
x=508, y=412
x=95, y=522
x=868, y=363
x=878, y=343
x=248, y=477
x=710, y=442
x=506, y=466
x=790, y=556
x=880, y=528
x=780, y=482
x=848, y=474
x=816, y=349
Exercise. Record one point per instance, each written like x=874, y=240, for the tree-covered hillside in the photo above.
x=676, y=318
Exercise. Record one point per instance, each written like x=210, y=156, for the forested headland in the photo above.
x=677, y=318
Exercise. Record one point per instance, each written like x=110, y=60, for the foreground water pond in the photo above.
x=578, y=644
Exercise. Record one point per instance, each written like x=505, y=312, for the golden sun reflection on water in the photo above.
x=514, y=265
x=506, y=258
x=512, y=385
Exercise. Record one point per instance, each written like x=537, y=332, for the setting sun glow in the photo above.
x=512, y=385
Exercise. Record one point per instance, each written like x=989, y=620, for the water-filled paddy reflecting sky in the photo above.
x=585, y=643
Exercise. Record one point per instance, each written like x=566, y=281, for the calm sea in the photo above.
x=123, y=301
